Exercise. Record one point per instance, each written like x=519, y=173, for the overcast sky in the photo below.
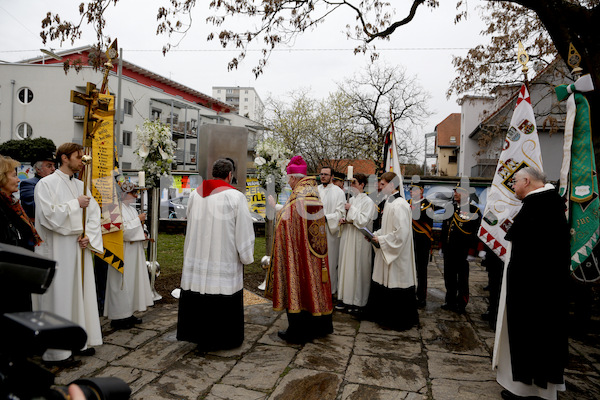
x=317, y=60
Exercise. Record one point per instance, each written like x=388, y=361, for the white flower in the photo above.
x=260, y=161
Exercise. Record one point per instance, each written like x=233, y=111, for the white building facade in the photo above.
x=245, y=99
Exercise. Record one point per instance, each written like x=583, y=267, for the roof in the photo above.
x=447, y=129
x=136, y=69
x=512, y=99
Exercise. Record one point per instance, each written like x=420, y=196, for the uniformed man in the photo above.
x=459, y=234
x=422, y=238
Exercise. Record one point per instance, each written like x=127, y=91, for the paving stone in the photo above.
x=344, y=324
x=449, y=389
x=394, y=374
x=362, y=392
x=374, y=328
x=386, y=346
x=109, y=352
x=251, y=335
x=89, y=365
x=330, y=353
x=160, y=321
x=261, y=314
x=194, y=375
x=130, y=338
x=306, y=384
x=157, y=355
x=135, y=378
x=453, y=336
x=581, y=387
x=460, y=366
x=228, y=392
x=151, y=392
x=261, y=368
x=270, y=336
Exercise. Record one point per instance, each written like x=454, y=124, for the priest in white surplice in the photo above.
x=59, y=201
x=393, y=298
x=333, y=200
x=218, y=242
x=355, y=251
x=129, y=291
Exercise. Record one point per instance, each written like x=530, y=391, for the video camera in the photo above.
x=27, y=334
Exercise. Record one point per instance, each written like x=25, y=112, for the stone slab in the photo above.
x=370, y=327
x=330, y=353
x=158, y=354
x=194, y=375
x=251, y=335
x=460, y=367
x=452, y=336
x=387, y=346
x=362, y=392
x=261, y=368
x=307, y=385
x=134, y=377
x=449, y=389
x=222, y=392
x=130, y=338
x=385, y=373
x=261, y=314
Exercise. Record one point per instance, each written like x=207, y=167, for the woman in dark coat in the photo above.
x=16, y=229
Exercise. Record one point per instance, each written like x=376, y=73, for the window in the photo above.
x=192, y=147
x=218, y=90
x=25, y=95
x=24, y=130
x=246, y=99
x=245, y=107
x=452, y=139
x=127, y=138
x=155, y=116
x=245, y=92
x=229, y=91
x=128, y=107
x=452, y=159
x=126, y=165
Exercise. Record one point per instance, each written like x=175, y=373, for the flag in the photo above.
x=521, y=149
x=391, y=163
x=578, y=179
x=104, y=188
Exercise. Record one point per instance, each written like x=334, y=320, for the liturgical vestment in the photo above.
x=129, y=291
x=333, y=200
x=58, y=220
x=355, y=252
x=298, y=277
x=219, y=241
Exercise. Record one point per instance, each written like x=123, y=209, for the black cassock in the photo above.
x=537, y=279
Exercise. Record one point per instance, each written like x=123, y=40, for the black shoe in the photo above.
x=506, y=395
x=340, y=306
x=70, y=362
x=90, y=351
x=461, y=310
x=290, y=338
x=124, y=323
x=486, y=316
x=133, y=320
x=448, y=307
x=487, y=288
x=421, y=303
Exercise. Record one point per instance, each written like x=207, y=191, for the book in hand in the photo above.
x=369, y=235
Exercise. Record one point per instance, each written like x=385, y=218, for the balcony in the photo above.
x=485, y=168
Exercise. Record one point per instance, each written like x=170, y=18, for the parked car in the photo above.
x=175, y=208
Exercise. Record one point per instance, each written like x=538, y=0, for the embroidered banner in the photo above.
x=521, y=149
x=104, y=185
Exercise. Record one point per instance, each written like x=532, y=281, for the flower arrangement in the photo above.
x=271, y=160
x=156, y=151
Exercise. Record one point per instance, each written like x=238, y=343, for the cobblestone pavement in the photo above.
x=447, y=357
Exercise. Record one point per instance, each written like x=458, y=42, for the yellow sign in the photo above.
x=104, y=188
x=255, y=197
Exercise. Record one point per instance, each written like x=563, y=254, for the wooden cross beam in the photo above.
x=95, y=110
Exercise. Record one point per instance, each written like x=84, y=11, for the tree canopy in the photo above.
x=28, y=150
